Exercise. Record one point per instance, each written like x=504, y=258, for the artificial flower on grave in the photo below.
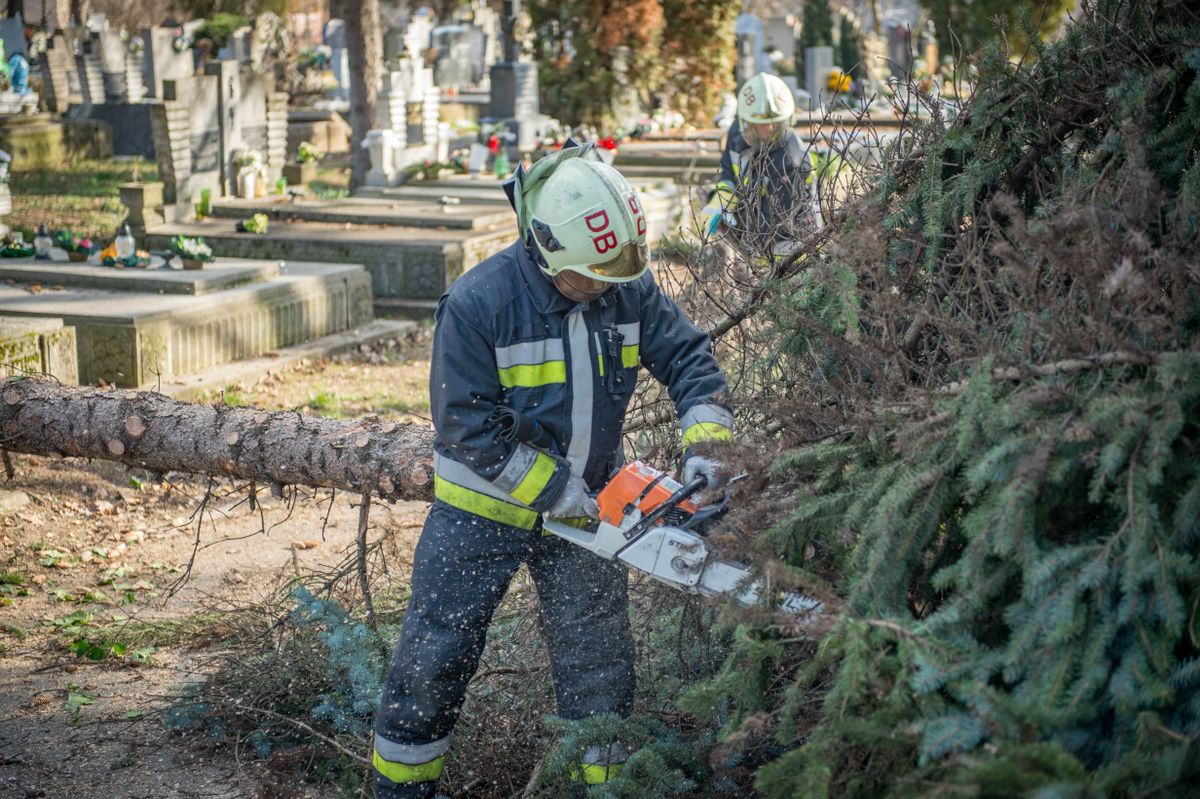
x=192, y=248
x=71, y=242
x=255, y=224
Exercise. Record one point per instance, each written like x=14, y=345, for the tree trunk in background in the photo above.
x=152, y=431
x=364, y=45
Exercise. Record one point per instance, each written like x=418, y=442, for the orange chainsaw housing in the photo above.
x=638, y=485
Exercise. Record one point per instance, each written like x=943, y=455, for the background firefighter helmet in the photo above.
x=765, y=107
x=581, y=215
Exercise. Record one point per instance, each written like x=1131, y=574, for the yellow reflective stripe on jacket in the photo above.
x=706, y=431
x=533, y=375
x=403, y=772
x=482, y=505
x=629, y=357
x=535, y=479
x=597, y=773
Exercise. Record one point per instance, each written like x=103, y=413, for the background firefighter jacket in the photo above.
x=511, y=352
x=766, y=190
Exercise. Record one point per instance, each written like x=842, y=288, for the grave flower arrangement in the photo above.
x=255, y=224
x=78, y=248
x=192, y=251
x=139, y=260
x=250, y=166
x=307, y=152
x=11, y=248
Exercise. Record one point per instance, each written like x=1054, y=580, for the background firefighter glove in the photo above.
x=699, y=466
x=574, y=502
x=713, y=216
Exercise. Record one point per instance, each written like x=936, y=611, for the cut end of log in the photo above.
x=134, y=426
x=361, y=440
x=388, y=427
x=12, y=396
x=420, y=475
x=231, y=438
x=115, y=446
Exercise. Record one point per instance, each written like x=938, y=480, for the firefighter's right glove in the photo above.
x=574, y=502
x=699, y=466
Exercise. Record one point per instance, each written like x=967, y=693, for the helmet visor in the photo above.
x=760, y=134
x=630, y=263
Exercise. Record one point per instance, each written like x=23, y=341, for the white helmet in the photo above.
x=765, y=108
x=577, y=213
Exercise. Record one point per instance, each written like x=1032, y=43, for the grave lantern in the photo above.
x=42, y=244
x=126, y=246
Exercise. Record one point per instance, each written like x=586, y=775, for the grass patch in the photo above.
x=195, y=630
x=333, y=178
x=82, y=196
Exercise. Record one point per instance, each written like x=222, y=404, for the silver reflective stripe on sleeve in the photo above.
x=411, y=754
x=631, y=333
x=706, y=413
x=461, y=474
x=529, y=353
x=517, y=467
x=581, y=394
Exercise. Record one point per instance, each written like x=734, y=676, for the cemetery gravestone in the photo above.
x=818, y=61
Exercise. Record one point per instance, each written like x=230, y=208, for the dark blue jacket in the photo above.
x=768, y=188
x=512, y=353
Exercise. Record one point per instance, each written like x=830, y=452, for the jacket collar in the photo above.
x=546, y=298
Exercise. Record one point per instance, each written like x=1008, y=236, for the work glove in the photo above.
x=699, y=466
x=712, y=216
x=574, y=502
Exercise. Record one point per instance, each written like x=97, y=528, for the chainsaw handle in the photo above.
x=643, y=524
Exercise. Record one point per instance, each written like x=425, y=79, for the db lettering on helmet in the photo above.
x=636, y=209
x=748, y=93
x=598, y=222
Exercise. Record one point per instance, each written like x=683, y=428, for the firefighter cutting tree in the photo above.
x=535, y=357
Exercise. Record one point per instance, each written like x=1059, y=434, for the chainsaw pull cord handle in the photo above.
x=643, y=526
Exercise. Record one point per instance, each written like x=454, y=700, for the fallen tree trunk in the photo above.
x=155, y=432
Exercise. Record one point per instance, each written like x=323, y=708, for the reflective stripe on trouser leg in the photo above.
x=602, y=763
x=584, y=606
x=461, y=568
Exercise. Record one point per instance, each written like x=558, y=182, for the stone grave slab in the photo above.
x=134, y=339
x=405, y=262
x=463, y=214
x=38, y=347
x=221, y=274
x=661, y=197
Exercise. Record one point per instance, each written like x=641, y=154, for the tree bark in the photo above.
x=155, y=432
x=364, y=48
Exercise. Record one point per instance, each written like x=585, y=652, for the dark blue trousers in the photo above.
x=461, y=570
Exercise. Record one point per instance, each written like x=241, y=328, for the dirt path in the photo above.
x=90, y=552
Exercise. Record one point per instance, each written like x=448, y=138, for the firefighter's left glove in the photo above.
x=574, y=502
x=699, y=466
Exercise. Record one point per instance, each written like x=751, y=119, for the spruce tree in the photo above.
x=993, y=472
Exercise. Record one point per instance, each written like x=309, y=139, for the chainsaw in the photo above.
x=649, y=522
